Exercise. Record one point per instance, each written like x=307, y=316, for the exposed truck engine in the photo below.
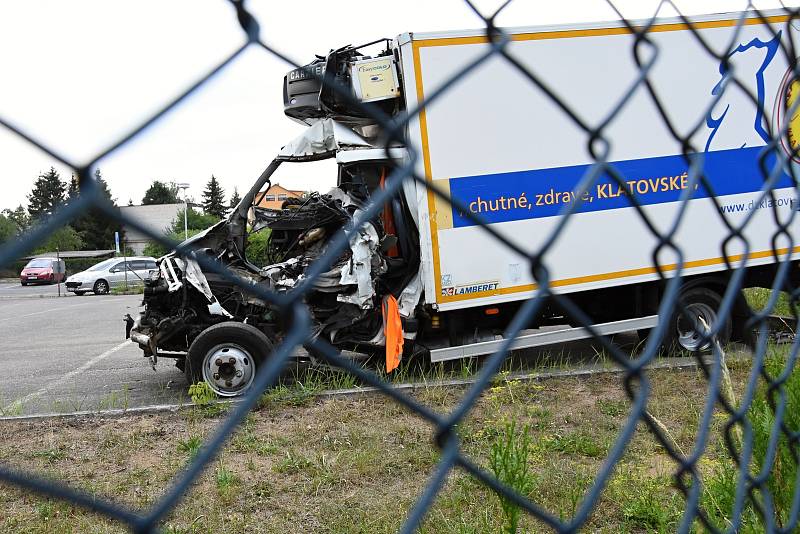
x=182, y=300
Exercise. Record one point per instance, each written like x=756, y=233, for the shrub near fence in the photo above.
x=753, y=484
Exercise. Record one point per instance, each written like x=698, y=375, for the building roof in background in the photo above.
x=274, y=191
x=65, y=254
x=157, y=218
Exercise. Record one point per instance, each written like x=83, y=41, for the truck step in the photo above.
x=539, y=339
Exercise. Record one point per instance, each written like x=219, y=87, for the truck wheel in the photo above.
x=682, y=335
x=226, y=356
x=100, y=287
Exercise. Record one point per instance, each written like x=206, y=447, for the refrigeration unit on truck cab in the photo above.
x=510, y=157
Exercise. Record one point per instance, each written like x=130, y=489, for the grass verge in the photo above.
x=132, y=289
x=312, y=464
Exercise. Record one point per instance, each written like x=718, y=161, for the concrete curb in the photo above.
x=678, y=364
x=118, y=412
x=31, y=297
x=37, y=297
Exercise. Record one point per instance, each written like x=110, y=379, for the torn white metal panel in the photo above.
x=358, y=271
x=321, y=140
x=410, y=296
x=341, y=196
x=215, y=308
x=372, y=153
x=168, y=272
x=317, y=140
x=194, y=275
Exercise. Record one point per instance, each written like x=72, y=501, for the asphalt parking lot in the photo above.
x=69, y=353
x=10, y=288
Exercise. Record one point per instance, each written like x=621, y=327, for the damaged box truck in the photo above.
x=513, y=159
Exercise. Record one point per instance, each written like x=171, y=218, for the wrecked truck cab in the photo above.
x=219, y=332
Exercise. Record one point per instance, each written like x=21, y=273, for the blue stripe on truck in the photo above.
x=514, y=196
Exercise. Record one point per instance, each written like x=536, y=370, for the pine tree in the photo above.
x=47, y=195
x=161, y=193
x=235, y=199
x=214, y=199
x=95, y=228
x=73, y=189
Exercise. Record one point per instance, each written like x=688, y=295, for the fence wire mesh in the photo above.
x=753, y=485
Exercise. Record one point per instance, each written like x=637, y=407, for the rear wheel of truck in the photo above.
x=226, y=356
x=702, y=305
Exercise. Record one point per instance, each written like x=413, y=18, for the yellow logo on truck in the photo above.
x=787, y=118
x=793, y=122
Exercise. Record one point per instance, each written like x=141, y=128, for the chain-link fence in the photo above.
x=754, y=486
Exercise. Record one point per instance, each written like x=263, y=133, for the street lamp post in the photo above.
x=185, y=186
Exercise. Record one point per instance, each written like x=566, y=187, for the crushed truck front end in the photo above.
x=194, y=296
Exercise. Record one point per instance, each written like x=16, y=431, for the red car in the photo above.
x=43, y=271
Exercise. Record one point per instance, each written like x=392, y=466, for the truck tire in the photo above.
x=681, y=335
x=226, y=356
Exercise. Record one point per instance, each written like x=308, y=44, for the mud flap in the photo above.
x=393, y=330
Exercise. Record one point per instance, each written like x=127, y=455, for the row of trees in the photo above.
x=93, y=229
x=213, y=196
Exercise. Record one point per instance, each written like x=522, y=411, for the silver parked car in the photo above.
x=110, y=273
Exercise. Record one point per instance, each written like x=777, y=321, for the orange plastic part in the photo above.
x=388, y=218
x=393, y=330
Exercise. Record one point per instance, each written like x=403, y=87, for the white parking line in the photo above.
x=46, y=311
x=68, y=376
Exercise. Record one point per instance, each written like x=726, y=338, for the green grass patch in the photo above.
x=132, y=289
x=190, y=446
x=758, y=299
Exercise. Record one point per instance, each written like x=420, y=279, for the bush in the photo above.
x=7, y=229
x=201, y=393
x=65, y=238
x=256, y=248
x=509, y=462
x=720, y=491
x=197, y=221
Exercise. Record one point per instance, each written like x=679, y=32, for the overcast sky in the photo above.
x=79, y=75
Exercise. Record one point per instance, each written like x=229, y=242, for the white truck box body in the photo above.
x=494, y=135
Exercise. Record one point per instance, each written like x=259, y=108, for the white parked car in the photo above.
x=113, y=272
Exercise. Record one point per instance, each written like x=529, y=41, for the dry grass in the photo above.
x=357, y=464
